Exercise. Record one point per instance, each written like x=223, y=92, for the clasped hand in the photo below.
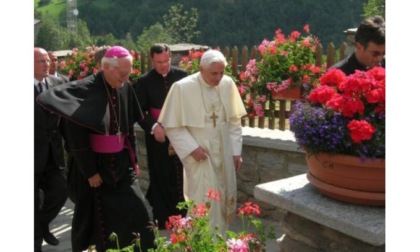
x=95, y=180
x=200, y=154
x=159, y=133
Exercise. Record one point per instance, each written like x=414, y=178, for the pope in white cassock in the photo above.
x=202, y=118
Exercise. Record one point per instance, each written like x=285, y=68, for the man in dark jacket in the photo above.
x=49, y=157
x=165, y=169
x=369, y=49
x=54, y=67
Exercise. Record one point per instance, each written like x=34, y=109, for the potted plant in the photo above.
x=287, y=67
x=341, y=126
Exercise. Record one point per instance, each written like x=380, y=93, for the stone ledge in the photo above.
x=268, y=138
x=298, y=196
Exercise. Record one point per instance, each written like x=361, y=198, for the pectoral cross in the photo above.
x=214, y=117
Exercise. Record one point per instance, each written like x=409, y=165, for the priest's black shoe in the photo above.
x=50, y=238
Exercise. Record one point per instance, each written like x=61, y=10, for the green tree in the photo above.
x=82, y=39
x=51, y=36
x=128, y=42
x=374, y=7
x=154, y=34
x=181, y=24
x=108, y=39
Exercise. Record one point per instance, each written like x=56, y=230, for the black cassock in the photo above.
x=92, y=108
x=166, y=182
x=350, y=64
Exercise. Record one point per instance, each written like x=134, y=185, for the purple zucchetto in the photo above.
x=117, y=52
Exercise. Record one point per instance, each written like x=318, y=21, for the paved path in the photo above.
x=61, y=228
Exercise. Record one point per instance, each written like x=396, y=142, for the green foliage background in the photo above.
x=220, y=22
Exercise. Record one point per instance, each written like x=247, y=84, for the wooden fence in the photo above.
x=281, y=108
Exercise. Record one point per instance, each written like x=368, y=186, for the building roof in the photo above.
x=186, y=47
x=350, y=31
x=62, y=53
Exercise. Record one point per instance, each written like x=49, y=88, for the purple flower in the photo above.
x=319, y=129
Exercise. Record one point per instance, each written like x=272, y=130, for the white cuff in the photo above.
x=153, y=127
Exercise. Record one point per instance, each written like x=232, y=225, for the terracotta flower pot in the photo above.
x=287, y=94
x=348, y=178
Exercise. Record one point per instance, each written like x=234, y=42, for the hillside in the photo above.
x=221, y=22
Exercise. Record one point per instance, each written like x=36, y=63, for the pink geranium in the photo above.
x=290, y=58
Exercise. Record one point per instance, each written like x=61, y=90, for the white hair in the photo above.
x=212, y=56
x=113, y=61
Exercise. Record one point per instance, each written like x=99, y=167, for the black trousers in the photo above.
x=50, y=196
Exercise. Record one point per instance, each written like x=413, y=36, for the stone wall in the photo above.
x=268, y=155
x=315, y=223
x=303, y=235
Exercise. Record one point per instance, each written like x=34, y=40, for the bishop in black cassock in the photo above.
x=99, y=128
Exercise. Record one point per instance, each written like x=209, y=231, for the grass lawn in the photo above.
x=53, y=9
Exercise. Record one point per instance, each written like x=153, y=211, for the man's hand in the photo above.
x=200, y=154
x=237, y=161
x=95, y=180
x=159, y=133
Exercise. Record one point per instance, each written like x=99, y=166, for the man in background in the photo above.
x=369, y=49
x=50, y=182
x=54, y=67
x=165, y=169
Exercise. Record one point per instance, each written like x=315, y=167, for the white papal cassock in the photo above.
x=187, y=118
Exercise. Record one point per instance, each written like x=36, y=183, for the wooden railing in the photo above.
x=240, y=58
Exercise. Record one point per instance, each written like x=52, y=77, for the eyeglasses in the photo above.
x=124, y=73
x=43, y=61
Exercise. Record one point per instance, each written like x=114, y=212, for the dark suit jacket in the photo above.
x=350, y=64
x=48, y=139
x=151, y=90
x=63, y=77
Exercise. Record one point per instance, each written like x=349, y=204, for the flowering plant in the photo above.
x=193, y=232
x=286, y=63
x=343, y=115
x=191, y=63
x=78, y=65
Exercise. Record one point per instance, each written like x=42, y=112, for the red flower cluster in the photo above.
x=80, y=64
x=355, y=96
x=191, y=62
x=249, y=209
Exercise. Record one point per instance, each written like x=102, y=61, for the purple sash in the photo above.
x=106, y=143
x=154, y=113
x=112, y=144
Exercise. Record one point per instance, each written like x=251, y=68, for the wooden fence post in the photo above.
x=318, y=55
x=342, y=50
x=330, y=55
x=234, y=61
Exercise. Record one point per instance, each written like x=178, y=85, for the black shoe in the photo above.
x=50, y=238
